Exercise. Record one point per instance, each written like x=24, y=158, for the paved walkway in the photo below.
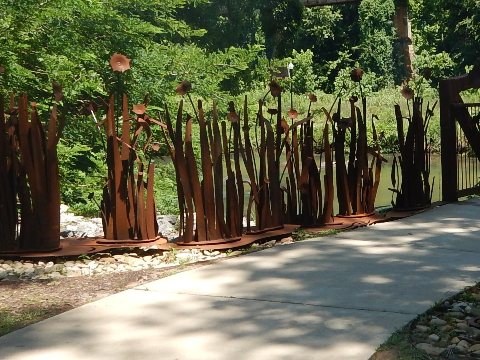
x=336, y=297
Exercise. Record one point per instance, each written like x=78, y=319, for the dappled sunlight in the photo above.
x=428, y=268
x=470, y=268
x=376, y=279
x=329, y=298
x=197, y=327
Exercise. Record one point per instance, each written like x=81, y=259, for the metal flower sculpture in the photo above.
x=119, y=63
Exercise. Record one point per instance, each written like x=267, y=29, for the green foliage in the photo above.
x=304, y=79
x=226, y=22
x=82, y=172
x=211, y=73
x=280, y=20
x=446, y=35
x=344, y=86
x=166, y=188
x=377, y=37
x=332, y=34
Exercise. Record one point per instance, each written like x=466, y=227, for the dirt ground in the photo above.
x=26, y=302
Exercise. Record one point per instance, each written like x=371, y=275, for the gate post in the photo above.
x=448, y=143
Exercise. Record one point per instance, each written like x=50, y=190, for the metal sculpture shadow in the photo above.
x=29, y=177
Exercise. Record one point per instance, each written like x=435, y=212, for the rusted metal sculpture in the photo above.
x=357, y=182
x=263, y=168
x=459, y=125
x=8, y=180
x=128, y=205
x=211, y=207
x=204, y=216
x=411, y=168
x=305, y=204
x=29, y=177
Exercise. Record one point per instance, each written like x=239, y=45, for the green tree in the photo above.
x=377, y=39
x=332, y=34
x=446, y=35
x=280, y=21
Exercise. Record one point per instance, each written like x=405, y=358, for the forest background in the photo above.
x=226, y=49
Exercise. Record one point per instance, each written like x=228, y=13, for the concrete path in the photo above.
x=336, y=297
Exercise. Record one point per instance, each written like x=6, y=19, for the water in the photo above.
x=384, y=196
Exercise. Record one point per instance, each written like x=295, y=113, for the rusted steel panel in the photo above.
x=29, y=174
x=127, y=205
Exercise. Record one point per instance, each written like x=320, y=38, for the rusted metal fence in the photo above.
x=29, y=177
x=460, y=137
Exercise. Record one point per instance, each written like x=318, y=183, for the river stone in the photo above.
x=474, y=348
x=430, y=349
x=437, y=321
x=463, y=344
x=422, y=328
x=456, y=314
x=455, y=340
x=434, y=337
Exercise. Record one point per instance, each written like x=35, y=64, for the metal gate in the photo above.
x=460, y=137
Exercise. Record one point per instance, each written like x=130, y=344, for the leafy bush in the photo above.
x=304, y=79
x=82, y=172
x=377, y=37
x=166, y=199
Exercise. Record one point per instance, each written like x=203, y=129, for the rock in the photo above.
x=287, y=240
x=55, y=275
x=3, y=274
x=49, y=267
x=270, y=243
x=434, y=337
x=455, y=340
x=456, y=314
x=184, y=257
x=474, y=348
x=29, y=271
x=446, y=328
x=437, y=321
x=474, y=332
x=107, y=260
x=463, y=344
x=58, y=267
x=74, y=272
x=475, y=311
x=422, y=328
x=430, y=349
x=459, y=306
x=212, y=254
x=167, y=226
